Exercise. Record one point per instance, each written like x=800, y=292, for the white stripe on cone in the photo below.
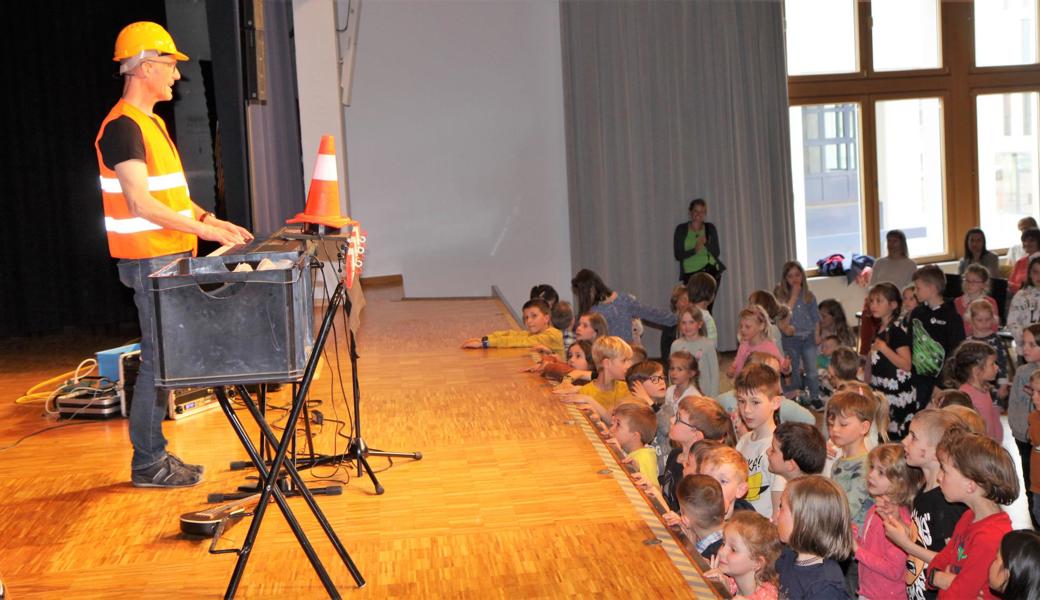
x=325, y=168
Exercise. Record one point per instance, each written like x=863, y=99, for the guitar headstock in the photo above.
x=355, y=252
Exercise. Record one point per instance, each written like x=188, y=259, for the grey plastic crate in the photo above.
x=218, y=327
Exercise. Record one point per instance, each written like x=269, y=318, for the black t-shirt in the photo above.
x=121, y=141
x=935, y=519
x=822, y=581
x=670, y=478
x=936, y=333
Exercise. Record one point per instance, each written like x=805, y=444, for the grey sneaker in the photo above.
x=197, y=468
x=167, y=473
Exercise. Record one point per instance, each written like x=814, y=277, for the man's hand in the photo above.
x=212, y=233
x=224, y=233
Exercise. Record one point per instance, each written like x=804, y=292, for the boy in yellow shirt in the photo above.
x=634, y=428
x=612, y=357
x=539, y=331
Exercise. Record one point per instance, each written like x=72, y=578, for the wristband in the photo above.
x=484, y=342
x=930, y=579
x=202, y=217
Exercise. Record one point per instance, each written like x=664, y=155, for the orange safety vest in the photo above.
x=136, y=237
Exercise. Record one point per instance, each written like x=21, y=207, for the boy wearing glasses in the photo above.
x=646, y=382
x=696, y=419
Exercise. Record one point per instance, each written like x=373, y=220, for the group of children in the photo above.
x=783, y=505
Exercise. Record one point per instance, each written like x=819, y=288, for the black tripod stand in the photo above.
x=266, y=451
x=358, y=451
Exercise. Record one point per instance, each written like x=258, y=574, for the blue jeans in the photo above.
x=148, y=407
x=802, y=352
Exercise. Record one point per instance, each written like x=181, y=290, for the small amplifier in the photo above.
x=190, y=401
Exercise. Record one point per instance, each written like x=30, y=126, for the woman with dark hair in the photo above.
x=618, y=310
x=696, y=244
x=975, y=252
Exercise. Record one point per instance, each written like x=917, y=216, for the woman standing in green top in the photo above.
x=696, y=244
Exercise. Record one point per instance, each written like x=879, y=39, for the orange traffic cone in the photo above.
x=323, y=196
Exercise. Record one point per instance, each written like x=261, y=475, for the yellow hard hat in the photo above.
x=137, y=38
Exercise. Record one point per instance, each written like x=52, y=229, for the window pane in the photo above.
x=821, y=36
x=1008, y=188
x=910, y=186
x=905, y=34
x=1005, y=32
x=826, y=178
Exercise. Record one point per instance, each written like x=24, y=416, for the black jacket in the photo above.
x=679, y=241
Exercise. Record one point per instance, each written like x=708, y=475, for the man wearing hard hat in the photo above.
x=150, y=220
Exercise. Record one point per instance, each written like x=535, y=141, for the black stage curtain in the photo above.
x=59, y=82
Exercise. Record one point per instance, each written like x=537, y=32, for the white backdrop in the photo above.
x=456, y=145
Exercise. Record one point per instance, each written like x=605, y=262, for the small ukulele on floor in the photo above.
x=205, y=523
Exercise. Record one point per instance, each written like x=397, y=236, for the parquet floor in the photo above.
x=508, y=501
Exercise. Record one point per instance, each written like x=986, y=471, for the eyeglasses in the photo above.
x=681, y=422
x=656, y=378
x=173, y=64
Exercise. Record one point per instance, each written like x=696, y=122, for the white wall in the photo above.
x=456, y=145
x=317, y=83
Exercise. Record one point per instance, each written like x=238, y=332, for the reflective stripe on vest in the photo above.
x=130, y=236
x=156, y=183
x=136, y=224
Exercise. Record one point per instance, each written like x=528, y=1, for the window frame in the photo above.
x=957, y=83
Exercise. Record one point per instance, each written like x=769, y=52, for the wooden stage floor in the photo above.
x=511, y=499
